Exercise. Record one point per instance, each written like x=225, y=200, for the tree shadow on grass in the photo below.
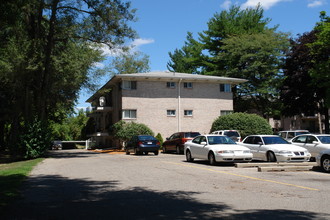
x=55, y=197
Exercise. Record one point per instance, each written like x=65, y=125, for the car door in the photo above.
x=300, y=141
x=170, y=143
x=203, y=148
x=195, y=147
x=312, y=146
x=250, y=143
x=260, y=148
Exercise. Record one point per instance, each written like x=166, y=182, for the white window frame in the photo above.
x=225, y=87
x=170, y=85
x=171, y=112
x=188, y=85
x=128, y=85
x=188, y=113
x=129, y=114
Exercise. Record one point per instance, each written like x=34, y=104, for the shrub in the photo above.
x=160, y=139
x=246, y=124
x=125, y=131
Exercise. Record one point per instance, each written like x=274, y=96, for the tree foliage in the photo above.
x=246, y=124
x=238, y=43
x=47, y=54
x=124, y=131
x=134, y=62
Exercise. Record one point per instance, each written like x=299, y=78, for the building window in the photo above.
x=170, y=112
x=170, y=85
x=225, y=112
x=188, y=113
x=129, y=85
x=129, y=114
x=188, y=85
x=225, y=88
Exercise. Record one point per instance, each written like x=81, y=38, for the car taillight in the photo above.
x=184, y=140
x=140, y=143
x=158, y=143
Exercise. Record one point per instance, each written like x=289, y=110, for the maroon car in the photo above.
x=176, y=141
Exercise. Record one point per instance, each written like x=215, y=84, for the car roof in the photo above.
x=263, y=135
x=295, y=131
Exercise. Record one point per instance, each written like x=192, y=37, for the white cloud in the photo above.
x=134, y=45
x=266, y=4
x=315, y=3
x=226, y=4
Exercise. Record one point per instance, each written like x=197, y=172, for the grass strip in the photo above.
x=11, y=177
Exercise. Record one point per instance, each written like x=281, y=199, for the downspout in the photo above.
x=179, y=105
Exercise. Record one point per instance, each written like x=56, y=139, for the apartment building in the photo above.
x=166, y=102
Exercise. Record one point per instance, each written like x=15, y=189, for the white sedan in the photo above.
x=314, y=143
x=323, y=160
x=273, y=148
x=216, y=148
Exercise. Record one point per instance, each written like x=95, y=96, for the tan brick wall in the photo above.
x=153, y=99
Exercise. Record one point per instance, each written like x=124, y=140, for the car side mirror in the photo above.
x=167, y=139
x=259, y=143
x=203, y=143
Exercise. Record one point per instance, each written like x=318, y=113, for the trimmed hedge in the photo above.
x=246, y=124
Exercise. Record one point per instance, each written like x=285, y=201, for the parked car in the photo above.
x=323, y=160
x=216, y=148
x=288, y=135
x=313, y=143
x=176, y=141
x=140, y=144
x=273, y=148
x=233, y=134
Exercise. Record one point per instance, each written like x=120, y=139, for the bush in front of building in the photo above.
x=124, y=131
x=160, y=139
x=246, y=124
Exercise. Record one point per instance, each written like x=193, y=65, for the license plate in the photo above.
x=149, y=142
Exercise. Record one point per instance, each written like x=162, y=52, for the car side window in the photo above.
x=283, y=134
x=257, y=140
x=301, y=139
x=248, y=140
x=196, y=140
x=203, y=139
x=291, y=134
x=310, y=139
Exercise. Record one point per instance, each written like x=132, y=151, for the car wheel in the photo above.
x=164, y=149
x=271, y=157
x=188, y=156
x=156, y=152
x=325, y=163
x=211, y=157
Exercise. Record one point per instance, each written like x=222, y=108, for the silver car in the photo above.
x=314, y=143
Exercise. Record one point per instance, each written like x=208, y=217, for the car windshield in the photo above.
x=219, y=140
x=146, y=138
x=232, y=133
x=274, y=140
x=324, y=139
x=191, y=134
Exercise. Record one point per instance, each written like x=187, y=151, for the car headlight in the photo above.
x=284, y=152
x=225, y=151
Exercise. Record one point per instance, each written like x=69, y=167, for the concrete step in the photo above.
x=268, y=164
x=285, y=168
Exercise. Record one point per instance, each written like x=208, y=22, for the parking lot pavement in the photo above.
x=79, y=184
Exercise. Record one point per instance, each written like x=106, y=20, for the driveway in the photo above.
x=80, y=184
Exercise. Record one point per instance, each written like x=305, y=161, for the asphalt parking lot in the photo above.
x=80, y=184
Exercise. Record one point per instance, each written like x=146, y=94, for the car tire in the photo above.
x=271, y=157
x=325, y=163
x=156, y=152
x=164, y=149
x=211, y=158
x=188, y=156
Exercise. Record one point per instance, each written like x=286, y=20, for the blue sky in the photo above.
x=162, y=25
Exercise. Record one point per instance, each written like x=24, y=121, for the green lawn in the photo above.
x=11, y=177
